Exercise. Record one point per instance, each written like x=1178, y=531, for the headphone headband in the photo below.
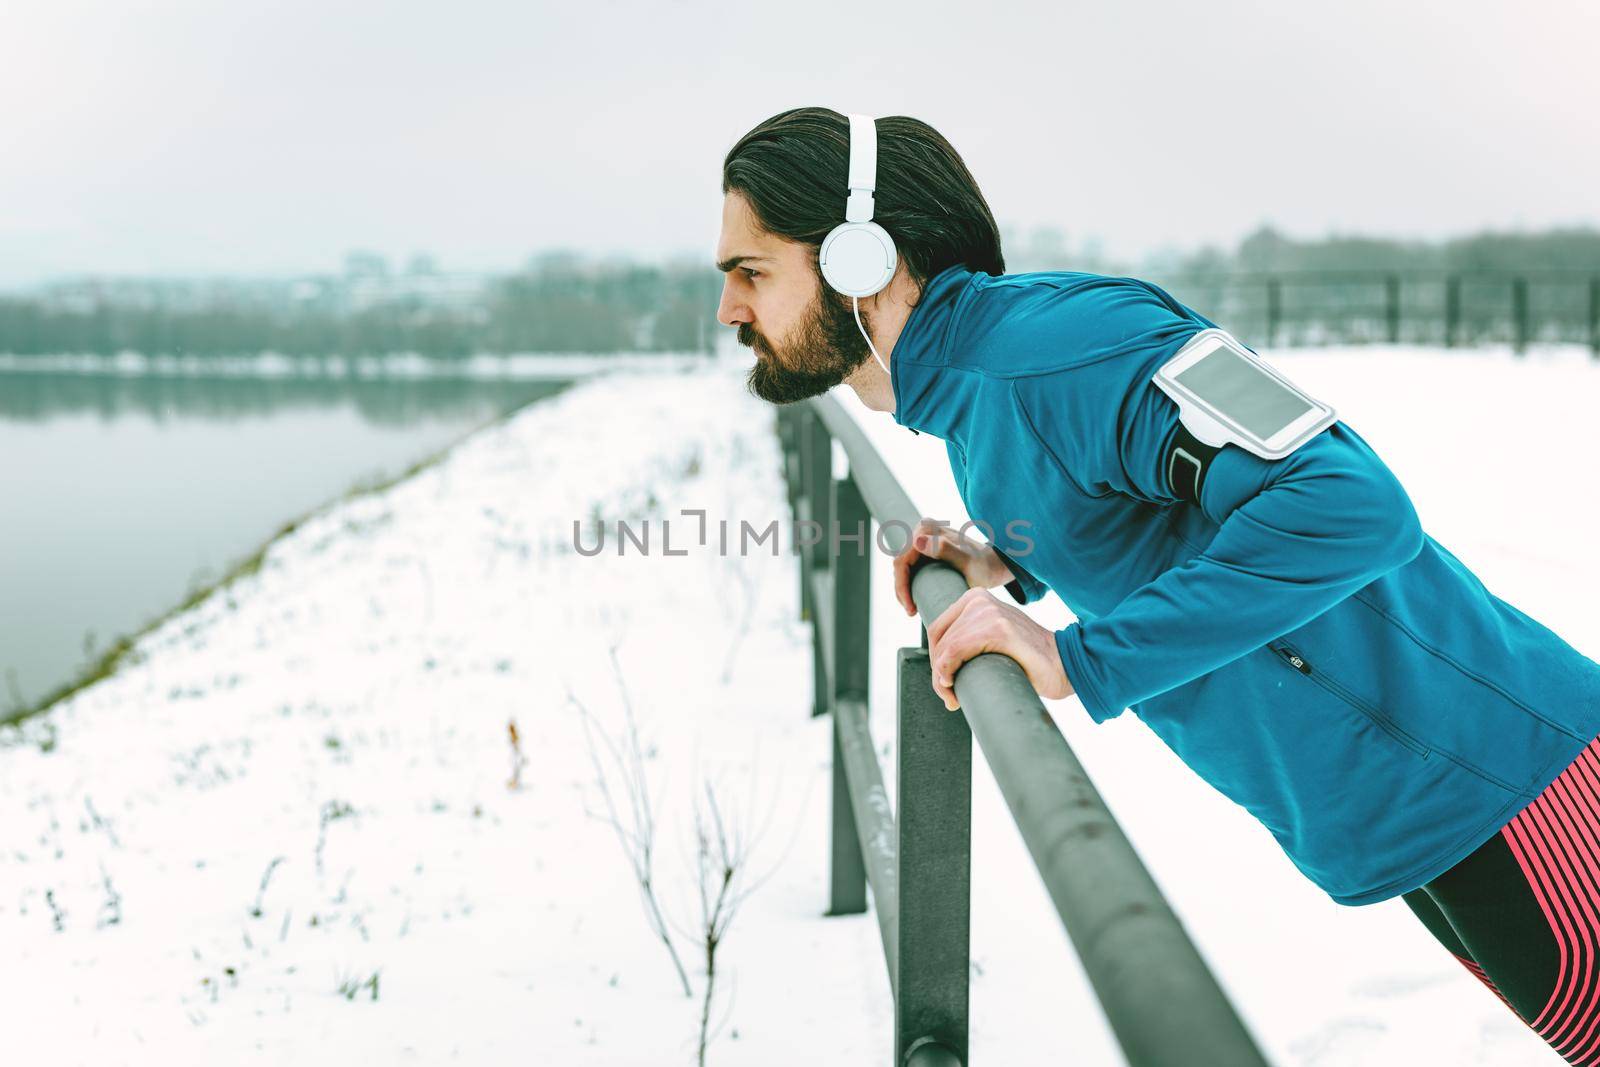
x=863, y=168
x=857, y=258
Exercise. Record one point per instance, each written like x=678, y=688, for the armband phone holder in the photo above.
x=1226, y=394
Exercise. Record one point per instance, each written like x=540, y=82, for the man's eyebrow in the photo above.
x=728, y=264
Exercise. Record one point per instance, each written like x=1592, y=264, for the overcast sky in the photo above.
x=197, y=137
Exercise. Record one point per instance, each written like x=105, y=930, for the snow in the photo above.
x=340, y=719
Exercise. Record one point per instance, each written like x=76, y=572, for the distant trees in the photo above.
x=1515, y=286
x=1574, y=249
x=559, y=304
x=1512, y=288
x=1268, y=250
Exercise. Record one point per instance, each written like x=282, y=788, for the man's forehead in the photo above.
x=741, y=245
x=741, y=240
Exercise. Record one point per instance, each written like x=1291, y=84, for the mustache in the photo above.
x=750, y=339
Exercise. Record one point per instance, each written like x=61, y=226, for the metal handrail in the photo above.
x=1160, y=998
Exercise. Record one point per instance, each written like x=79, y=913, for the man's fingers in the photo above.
x=905, y=565
x=960, y=633
x=936, y=544
x=902, y=584
x=916, y=552
x=949, y=657
x=944, y=649
x=902, y=573
x=928, y=541
x=937, y=628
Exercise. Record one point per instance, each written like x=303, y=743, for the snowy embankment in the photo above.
x=335, y=728
x=309, y=781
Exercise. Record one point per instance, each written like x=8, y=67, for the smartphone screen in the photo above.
x=1233, y=385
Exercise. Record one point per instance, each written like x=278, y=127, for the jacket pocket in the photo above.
x=1295, y=661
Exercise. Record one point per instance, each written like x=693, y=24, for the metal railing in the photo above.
x=1164, y=1006
x=1411, y=306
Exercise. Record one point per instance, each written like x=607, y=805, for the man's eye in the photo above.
x=748, y=273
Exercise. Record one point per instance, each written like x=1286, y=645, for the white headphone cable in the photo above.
x=855, y=308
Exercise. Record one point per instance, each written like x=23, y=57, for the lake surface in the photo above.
x=119, y=494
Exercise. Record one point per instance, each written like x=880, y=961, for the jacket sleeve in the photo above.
x=1295, y=535
x=1024, y=587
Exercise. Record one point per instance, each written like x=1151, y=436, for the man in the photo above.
x=1285, y=626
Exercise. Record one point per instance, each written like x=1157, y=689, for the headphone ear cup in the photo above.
x=857, y=258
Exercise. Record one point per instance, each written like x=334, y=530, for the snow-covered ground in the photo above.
x=307, y=780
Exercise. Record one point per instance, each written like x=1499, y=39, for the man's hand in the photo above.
x=976, y=561
x=978, y=623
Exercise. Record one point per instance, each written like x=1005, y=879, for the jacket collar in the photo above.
x=929, y=395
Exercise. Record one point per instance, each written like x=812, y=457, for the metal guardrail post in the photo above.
x=1274, y=309
x=1158, y=995
x=932, y=1055
x=1452, y=309
x=816, y=478
x=934, y=816
x=851, y=617
x=1519, y=314
x=874, y=825
x=797, y=501
x=1594, y=316
x=852, y=587
x=818, y=446
x=1161, y=1000
x=1391, y=307
x=847, y=882
x=788, y=443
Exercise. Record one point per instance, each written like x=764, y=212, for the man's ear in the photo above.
x=897, y=282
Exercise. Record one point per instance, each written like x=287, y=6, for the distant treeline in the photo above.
x=1511, y=288
x=562, y=306
x=1489, y=286
x=1268, y=251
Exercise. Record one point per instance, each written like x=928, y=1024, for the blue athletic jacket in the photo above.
x=1297, y=639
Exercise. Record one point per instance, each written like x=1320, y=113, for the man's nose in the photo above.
x=732, y=313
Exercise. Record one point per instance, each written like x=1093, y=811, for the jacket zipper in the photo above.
x=1383, y=722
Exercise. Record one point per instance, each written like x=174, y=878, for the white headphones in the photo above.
x=857, y=257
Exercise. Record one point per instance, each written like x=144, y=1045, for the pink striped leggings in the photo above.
x=1522, y=913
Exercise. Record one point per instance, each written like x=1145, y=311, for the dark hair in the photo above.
x=794, y=166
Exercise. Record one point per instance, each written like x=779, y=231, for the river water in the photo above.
x=121, y=493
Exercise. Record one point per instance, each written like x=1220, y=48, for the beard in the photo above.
x=825, y=349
